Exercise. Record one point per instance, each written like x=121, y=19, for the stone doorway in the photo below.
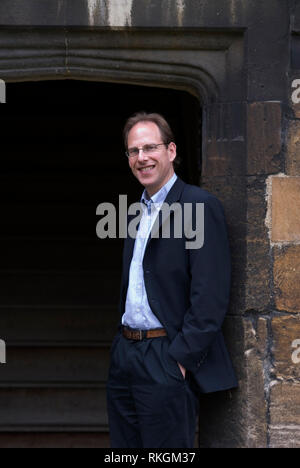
x=62, y=155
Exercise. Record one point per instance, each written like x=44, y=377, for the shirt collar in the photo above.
x=159, y=197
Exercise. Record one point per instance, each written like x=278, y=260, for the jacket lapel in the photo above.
x=172, y=197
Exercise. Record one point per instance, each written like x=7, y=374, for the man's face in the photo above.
x=155, y=169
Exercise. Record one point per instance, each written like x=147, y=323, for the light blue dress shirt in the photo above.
x=138, y=313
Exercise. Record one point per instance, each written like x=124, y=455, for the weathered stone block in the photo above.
x=293, y=147
x=264, y=138
x=224, y=151
x=285, y=415
x=232, y=193
x=256, y=209
x=287, y=278
x=285, y=209
x=252, y=388
x=286, y=330
x=257, y=286
x=238, y=418
x=257, y=283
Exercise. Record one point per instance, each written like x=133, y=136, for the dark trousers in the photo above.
x=150, y=404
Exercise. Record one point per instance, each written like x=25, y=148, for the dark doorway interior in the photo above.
x=61, y=155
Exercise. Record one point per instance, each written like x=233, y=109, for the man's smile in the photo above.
x=146, y=168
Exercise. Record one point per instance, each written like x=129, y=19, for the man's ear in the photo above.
x=172, y=151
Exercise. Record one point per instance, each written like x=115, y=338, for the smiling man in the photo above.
x=150, y=159
x=172, y=305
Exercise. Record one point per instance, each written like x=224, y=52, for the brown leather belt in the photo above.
x=138, y=335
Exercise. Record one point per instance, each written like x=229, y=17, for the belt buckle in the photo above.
x=142, y=334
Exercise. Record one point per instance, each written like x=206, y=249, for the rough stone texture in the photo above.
x=285, y=415
x=256, y=209
x=285, y=209
x=250, y=223
x=229, y=53
x=224, y=149
x=285, y=331
x=287, y=278
x=137, y=56
x=264, y=137
x=256, y=359
x=258, y=286
x=293, y=147
x=241, y=411
x=231, y=191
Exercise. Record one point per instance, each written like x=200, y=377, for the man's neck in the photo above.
x=150, y=193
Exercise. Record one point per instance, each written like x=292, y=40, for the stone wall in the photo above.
x=283, y=221
x=242, y=60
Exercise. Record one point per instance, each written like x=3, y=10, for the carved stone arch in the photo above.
x=207, y=64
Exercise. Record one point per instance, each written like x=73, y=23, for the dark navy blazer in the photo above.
x=188, y=290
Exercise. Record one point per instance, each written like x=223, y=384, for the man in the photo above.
x=173, y=302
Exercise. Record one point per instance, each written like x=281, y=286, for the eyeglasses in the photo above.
x=147, y=149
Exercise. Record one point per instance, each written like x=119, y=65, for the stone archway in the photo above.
x=209, y=65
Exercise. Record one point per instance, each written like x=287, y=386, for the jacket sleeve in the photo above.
x=209, y=268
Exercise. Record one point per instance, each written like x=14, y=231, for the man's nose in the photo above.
x=142, y=155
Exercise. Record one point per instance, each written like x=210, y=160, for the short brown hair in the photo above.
x=165, y=129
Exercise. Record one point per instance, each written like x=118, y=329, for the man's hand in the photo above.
x=182, y=369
